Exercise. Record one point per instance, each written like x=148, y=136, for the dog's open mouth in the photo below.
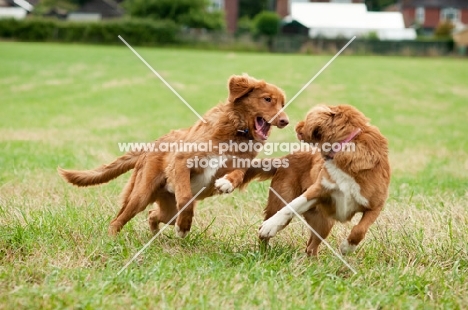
x=262, y=127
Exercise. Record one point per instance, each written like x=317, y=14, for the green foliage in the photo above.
x=28, y=29
x=444, y=30
x=244, y=25
x=419, y=29
x=267, y=23
x=44, y=6
x=141, y=31
x=379, y=5
x=250, y=8
x=374, y=36
x=190, y=13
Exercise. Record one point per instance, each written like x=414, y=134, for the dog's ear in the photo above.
x=239, y=86
x=300, y=126
x=316, y=134
x=333, y=110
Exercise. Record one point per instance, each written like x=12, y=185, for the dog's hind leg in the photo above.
x=359, y=231
x=125, y=195
x=137, y=195
x=321, y=224
x=164, y=212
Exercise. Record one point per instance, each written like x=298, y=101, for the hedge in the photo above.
x=135, y=31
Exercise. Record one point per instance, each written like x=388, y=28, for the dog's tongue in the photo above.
x=261, y=127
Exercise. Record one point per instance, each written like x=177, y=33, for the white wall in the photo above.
x=13, y=12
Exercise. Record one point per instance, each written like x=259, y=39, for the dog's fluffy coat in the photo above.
x=164, y=177
x=324, y=186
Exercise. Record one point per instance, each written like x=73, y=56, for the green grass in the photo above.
x=70, y=105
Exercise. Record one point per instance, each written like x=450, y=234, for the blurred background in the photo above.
x=396, y=27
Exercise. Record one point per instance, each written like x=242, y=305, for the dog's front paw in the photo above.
x=113, y=231
x=183, y=224
x=224, y=185
x=269, y=228
x=181, y=233
x=347, y=248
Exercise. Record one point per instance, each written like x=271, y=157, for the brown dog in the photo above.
x=332, y=183
x=171, y=179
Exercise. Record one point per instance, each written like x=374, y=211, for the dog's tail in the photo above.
x=102, y=174
x=260, y=173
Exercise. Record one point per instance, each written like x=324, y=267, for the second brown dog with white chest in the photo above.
x=328, y=186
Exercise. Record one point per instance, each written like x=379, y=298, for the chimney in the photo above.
x=282, y=8
x=231, y=9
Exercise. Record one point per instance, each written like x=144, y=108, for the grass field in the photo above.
x=70, y=105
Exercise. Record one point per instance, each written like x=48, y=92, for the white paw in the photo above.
x=224, y=185
x=180, y=233
x=271, y=226
x=347, y=248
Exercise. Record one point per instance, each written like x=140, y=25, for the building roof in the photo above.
x=344, y=15
x=320, y=15
x=435, y=3
x=12, y=12
x=347, y=20
x=24, y=4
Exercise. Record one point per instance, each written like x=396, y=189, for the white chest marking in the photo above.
x=346, y=192
x=209, y=170
x=210, y=167
x=202, y=179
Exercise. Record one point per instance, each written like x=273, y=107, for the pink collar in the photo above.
x=351, y=136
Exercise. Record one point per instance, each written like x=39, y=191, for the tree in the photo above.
x=379, y=5
x=250, y=8
x=444, y=30
x=267, y=23
x=190, y=13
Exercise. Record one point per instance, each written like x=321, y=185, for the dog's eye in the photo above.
x=267, y=99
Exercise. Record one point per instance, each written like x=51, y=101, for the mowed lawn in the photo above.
x=70, y=106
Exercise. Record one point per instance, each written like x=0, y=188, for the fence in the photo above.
x=148, y=32
x=303, y=44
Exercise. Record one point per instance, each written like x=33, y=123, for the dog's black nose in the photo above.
x=283, y=122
